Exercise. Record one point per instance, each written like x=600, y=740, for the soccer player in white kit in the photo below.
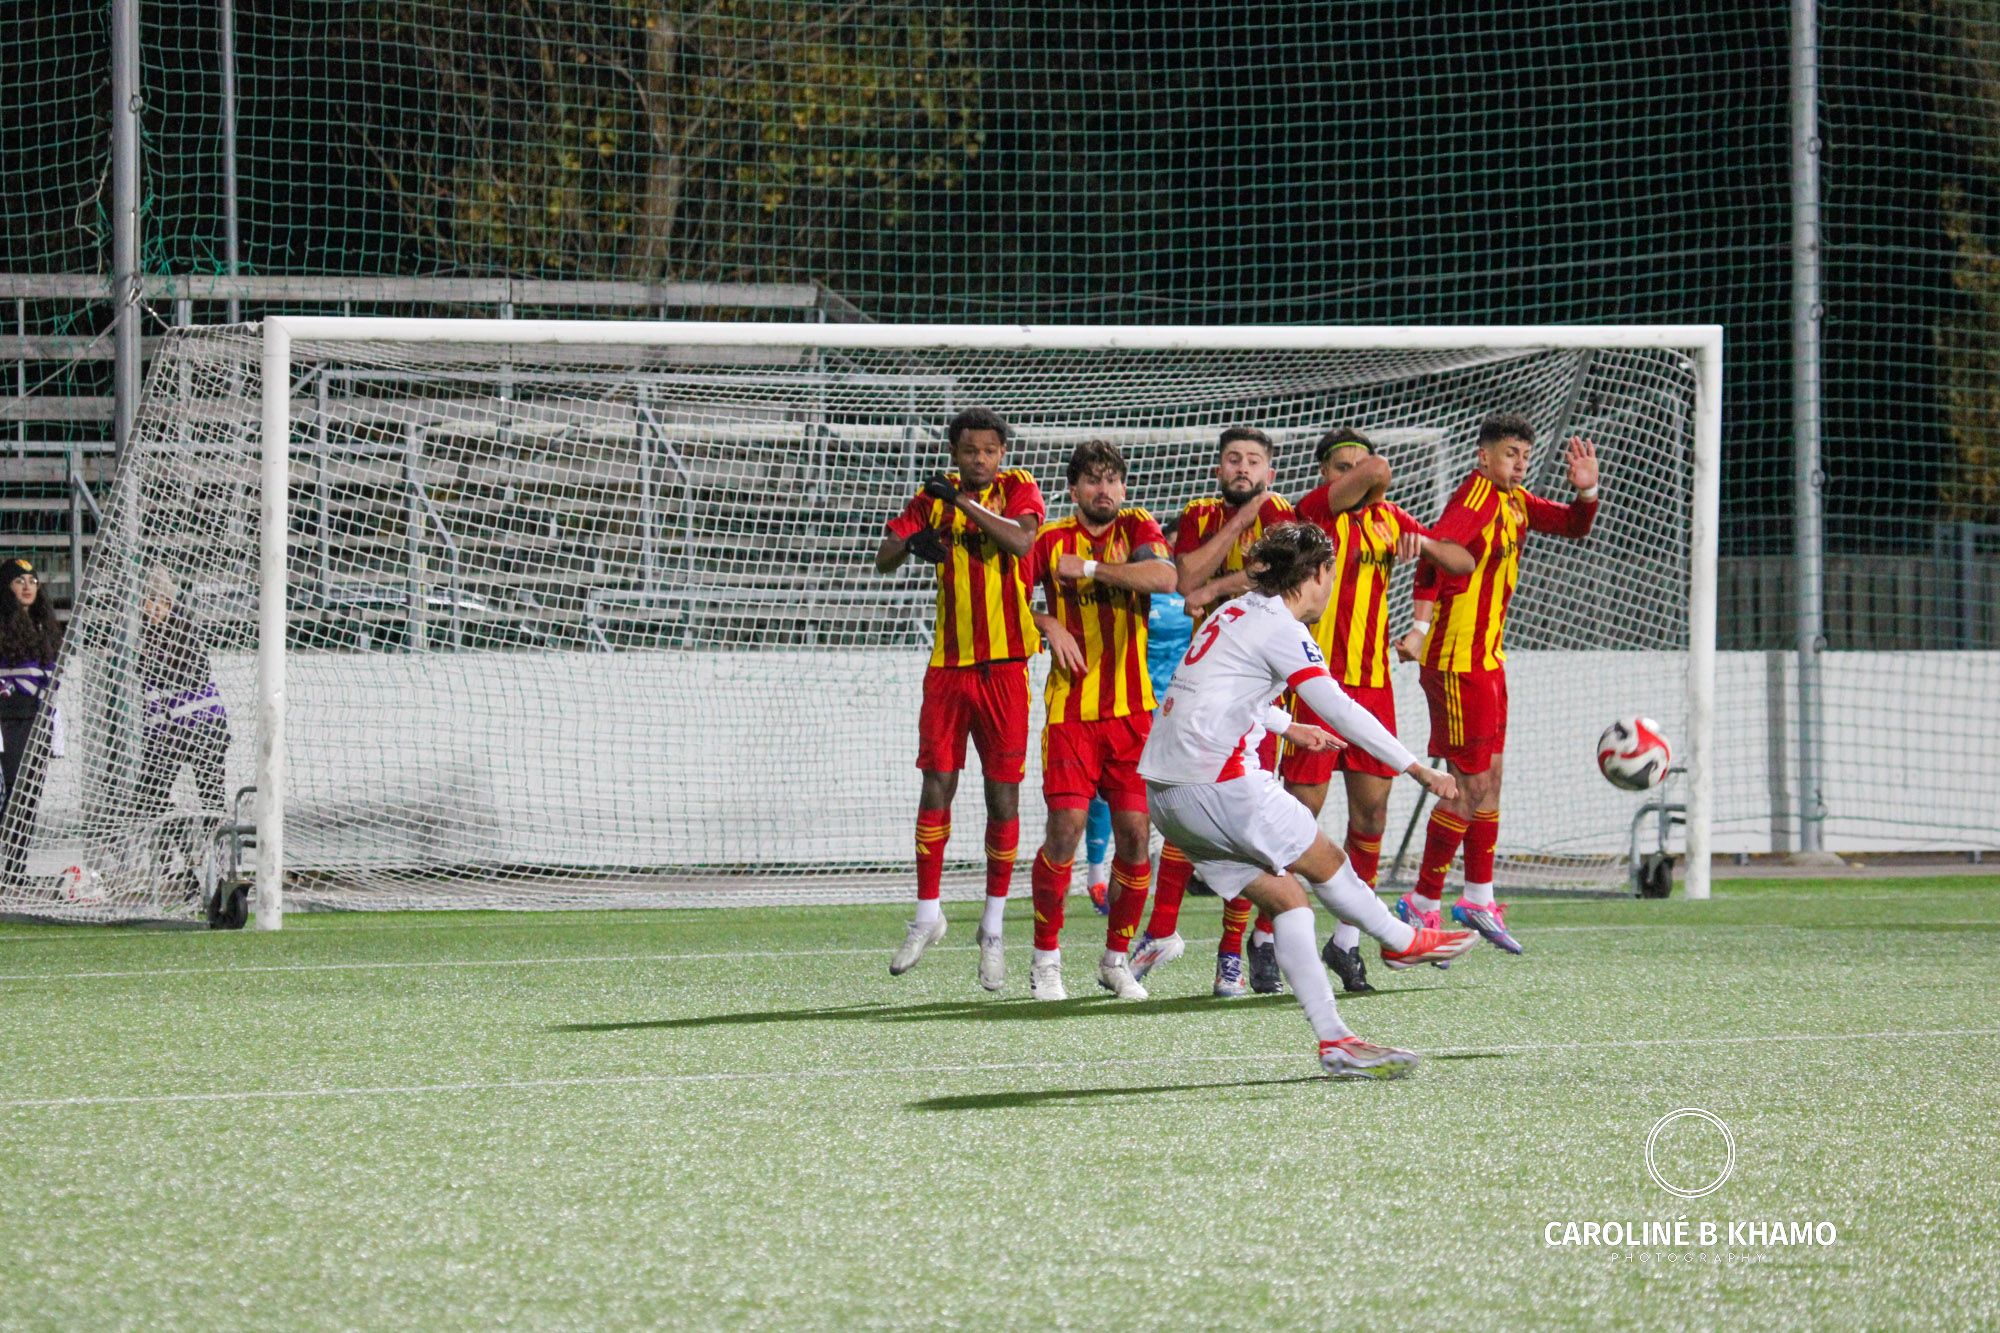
x=1247, y=835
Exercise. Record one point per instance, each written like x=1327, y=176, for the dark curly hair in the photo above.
x=1094, y=456
x=977, y=418
x=1286, y=556
x=1500, y=426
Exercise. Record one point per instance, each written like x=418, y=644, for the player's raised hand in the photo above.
x=1435, y=781
x=1411, y=646
x=940, y=487
x=1314, y=739
x=1064, y=649
x=1408, y=547
x=928, y=544
x=1069, y=566
x=1582, y=460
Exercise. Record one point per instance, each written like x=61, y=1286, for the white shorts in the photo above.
x=1233, y=831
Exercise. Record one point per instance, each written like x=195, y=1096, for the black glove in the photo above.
x=940, y=488
x=928, y=544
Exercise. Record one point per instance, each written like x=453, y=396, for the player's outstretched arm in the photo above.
x=1570, y=520
x=1340, y=712
x=889, y=555
x=1198, y=566
x=1145, y=571
x=1063, y=647
x=1364, y=483
x=1013, y=535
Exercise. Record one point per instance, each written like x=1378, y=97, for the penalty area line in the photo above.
x=904, y=1071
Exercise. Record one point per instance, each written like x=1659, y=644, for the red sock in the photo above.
x=1002, y=842
x=1441, y=841
x=933, y=832
x=1365, y=851
x=1129, y=879
x=1264, y=925
x=1167, y=894
x=1235, y=916
x=1479, y=842
x=1049, y=881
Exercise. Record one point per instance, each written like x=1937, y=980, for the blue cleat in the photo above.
x=1490, y=921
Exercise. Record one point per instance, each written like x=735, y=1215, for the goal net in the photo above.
x=586, y=615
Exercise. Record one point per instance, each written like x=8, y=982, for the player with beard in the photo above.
x=1212, y=541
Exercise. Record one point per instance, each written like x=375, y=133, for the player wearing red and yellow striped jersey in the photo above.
x=1464, y=657
x=1095, y=569
x=1213, y=538
x=976, y=525
x=1369, y=536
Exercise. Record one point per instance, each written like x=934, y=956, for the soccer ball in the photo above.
x=1633, y=755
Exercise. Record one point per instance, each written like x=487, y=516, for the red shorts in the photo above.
x=1307, y=768
x=1468, y=716
x=1081, y=759
x=988, y=702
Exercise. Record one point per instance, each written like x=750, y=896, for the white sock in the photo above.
x=1348, y=898
x=929, y=909
x=1048, y=956
x=1298, y=959
x=1100, y=872
x=1479, y=895
x=1428, y=904
x=1260, y=937
x=1113, y=958
x=994, y=917
x=1346, y=935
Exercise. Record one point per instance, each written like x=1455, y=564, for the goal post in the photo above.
x=517, y=613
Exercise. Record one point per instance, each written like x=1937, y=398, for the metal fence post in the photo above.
x=1808, y=479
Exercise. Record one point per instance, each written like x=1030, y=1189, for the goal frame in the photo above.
x=1701, y=342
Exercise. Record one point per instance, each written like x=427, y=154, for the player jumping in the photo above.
x=975, y=524
x=1369, y=535
x=1096, y=568
x=1464, y=664
x=1210, y=544
x=1240, y=829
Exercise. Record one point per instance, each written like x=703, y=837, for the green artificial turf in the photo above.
x=719, y=1118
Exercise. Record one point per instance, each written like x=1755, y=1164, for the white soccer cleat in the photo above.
x=1115, y=975
x=992, y=962
x=1229, y=983
x=1150, y=953
x=1045, y=978
x=1351, y=1057
x=923, y=934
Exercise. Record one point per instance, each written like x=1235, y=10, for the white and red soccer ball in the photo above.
x=1633, y=754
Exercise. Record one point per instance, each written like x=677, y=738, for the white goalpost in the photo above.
x=553, y=614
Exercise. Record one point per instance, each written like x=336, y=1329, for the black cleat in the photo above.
x=1265, y=978
x=1347, y=965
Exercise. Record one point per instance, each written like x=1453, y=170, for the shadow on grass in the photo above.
x=1016, y=1010
x=992, y=1101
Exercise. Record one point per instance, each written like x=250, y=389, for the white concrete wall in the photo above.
x=662, y=758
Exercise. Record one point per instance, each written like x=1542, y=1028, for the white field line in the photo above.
x=425, y=964
x=894, y=1071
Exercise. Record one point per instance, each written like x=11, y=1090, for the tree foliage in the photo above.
x=1967, y=96
x=656, y=139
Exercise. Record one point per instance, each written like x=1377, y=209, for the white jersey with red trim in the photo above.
x=1219, y=705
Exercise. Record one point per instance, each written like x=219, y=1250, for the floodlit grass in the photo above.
x=717, y=1118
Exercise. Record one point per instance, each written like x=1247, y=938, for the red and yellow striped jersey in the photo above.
x=1204, y=517
x=982, y=596
x=1109, y=623
x=1353, y=632
x=1493, y=525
